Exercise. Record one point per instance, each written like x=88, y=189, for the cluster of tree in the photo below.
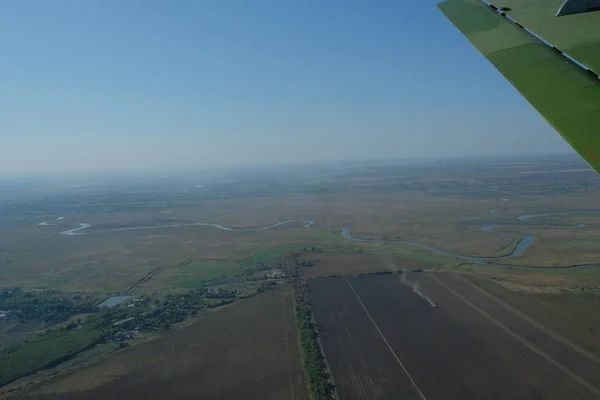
x=148, y=313
x=45, y=351
x=45, y=306
x=221, y=293
x=308, y=263
x=249, y=293
x=376, y=273
x=312, y=249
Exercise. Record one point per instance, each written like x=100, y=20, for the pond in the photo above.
x=114, y=300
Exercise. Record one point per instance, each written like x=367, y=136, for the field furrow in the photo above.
x=453, y=350
x=361, y=363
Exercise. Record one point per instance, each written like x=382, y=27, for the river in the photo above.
x=522, y=245
x=52, y=222
x=72, y=232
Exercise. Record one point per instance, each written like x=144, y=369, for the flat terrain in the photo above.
x=575, y=316
x=148, y=238
x=384, y=339
x=440, y=204
x=248, y=350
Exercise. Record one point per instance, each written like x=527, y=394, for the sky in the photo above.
x=134, y=84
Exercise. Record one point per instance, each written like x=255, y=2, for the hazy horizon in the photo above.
x=523, y=158
x=130, y=86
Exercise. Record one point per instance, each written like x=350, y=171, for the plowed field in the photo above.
x=440, y=337
x=246, y=351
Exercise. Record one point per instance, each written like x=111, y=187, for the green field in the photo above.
x=6, y=257
x=45, y=351
x=583, y=244
x=192, y=275
x=87, y=355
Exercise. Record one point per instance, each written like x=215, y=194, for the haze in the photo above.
x=152, y=84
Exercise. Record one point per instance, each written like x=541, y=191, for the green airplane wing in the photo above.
x=553, y=61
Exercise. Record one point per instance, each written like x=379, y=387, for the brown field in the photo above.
x=383, y=339
x=354, y=264
x=248, y=350
x=574, y=316
x=539, y=281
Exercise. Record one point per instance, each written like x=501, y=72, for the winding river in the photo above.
x=72, y=232
x=522, y=245
x=52, y=222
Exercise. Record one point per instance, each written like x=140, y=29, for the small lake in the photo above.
x=114, y=300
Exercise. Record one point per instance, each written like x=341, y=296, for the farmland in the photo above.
x=327, y=264
x=193, y=246
x=252, y=341
x=381, y=337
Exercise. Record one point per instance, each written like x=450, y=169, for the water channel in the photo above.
x=519, y=249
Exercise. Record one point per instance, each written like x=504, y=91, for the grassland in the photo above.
x=6, y=257
x=580, y=244
x=439, y=207
x=191, y=275
x=560, y=243
x=384, y=206
x=45, y=351
x=573, y=315
x=536, y=280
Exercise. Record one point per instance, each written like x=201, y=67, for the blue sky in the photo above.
x=109, y=84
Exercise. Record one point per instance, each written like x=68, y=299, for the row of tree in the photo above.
x=312, y=357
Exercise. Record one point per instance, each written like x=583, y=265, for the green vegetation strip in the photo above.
x=46, y=351
x=314, y=362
